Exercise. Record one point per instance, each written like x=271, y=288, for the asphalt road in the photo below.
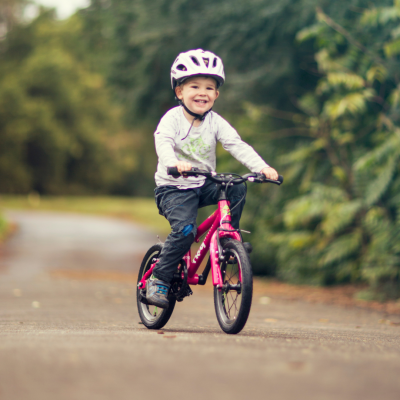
x=69, y=329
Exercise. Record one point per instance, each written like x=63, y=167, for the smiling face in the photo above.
x=198, y=94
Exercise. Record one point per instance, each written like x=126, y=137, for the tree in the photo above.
x=59, y=131
x=256, y=40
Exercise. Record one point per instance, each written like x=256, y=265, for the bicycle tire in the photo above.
x=231, y=307
x=152, y=317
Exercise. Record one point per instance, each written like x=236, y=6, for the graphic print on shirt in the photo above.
x=195, y=150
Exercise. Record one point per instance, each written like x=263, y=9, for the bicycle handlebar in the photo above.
x=225, y=178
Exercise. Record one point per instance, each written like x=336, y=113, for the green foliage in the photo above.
x=58, y=129
x=3, y=227
x=312, y=85
x=344, y=223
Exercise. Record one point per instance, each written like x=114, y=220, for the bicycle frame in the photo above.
x=218, y=226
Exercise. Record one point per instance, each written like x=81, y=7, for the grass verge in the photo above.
x=3, y=228
x=139, y=210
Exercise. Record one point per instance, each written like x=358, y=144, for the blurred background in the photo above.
x=313, y=85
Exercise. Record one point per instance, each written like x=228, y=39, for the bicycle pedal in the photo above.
x=142, y=297
x=188, y=292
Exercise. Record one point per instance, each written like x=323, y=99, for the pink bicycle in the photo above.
x=229, y=263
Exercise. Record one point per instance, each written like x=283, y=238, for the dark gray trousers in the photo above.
x=179, y=207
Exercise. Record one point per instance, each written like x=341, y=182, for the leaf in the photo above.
x=395, y=33
x=374, y=219
x=375, y=157
x=309, y=104
x=370, y=17
x=341, y=248
x=340, y=216
x=309, y=32
x=353, y=103
x=378, y=187
x=315, y=204
x=350, y=81
x=394, y=97
x=325, y=63
x=377, y=72
x=301, y=240
x=342, y=137
x=388, y=14
x=380, y=16
x=301, y=211
x=392, y=48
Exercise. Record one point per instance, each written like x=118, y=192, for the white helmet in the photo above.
x=197, y=63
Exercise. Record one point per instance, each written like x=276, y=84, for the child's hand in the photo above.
x=270, y=173
x=183, y=166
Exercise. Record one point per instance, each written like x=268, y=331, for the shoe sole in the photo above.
x=154, y=303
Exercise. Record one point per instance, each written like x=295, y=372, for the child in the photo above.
x=186, y=137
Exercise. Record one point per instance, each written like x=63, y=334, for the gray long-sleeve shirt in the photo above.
x=174, y=144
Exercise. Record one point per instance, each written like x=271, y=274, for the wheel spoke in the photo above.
x=233, y=304
x=236, y=273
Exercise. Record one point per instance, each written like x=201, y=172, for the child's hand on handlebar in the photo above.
x=270, y=173
x=183, y=166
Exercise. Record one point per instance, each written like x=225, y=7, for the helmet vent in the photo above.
x=181, y=67
x=195, y=60
x=214, y=62
x=206, y=61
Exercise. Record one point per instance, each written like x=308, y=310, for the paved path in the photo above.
x=69, y=330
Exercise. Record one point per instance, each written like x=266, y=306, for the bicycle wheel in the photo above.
x=233, y=301
x=152, y=317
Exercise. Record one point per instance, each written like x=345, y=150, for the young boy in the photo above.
x=186, y=137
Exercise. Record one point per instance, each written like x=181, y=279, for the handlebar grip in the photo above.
x=279, y=181
x=173, y=171
x=176, y=174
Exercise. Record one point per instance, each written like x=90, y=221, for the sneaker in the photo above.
x=157, y=292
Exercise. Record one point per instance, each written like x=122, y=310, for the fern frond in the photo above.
x=348, y=269
x=341, y=248
x=377, y=72
x=309, y=32
x=394, y=97
x=315, y=204
x=353, y=103
x=340, y=216
x=392, y=48
x=375, y=220
x=295, y=240
x=376, y=156
x=296, y=156
x=380, y=266
x=302, y=211
x=379, y=186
